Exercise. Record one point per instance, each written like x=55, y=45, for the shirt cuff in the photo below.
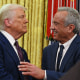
x=45, y=78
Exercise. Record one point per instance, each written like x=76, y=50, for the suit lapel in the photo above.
x=53, y=54
x=69, y=53
x=9, y=48
x=13, y=54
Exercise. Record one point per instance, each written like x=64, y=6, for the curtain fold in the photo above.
x=45, y=42
x=35, y=27
x=8, y=1
x=14, y=1
x=1, y=3
x=4, y=2
x=32, y=33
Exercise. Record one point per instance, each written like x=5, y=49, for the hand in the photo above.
x=32, y=70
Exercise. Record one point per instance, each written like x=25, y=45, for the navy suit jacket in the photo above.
x=9, y=61
x=49, y=58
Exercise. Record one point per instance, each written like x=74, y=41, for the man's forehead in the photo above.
x=61, y=13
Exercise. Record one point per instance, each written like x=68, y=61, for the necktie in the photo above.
x=59, y=56
x=19, y=51
x=20, y=55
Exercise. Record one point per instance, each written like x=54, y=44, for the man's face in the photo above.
x=18, y=22
x=60, y=31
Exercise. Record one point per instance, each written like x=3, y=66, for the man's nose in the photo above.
x=26, y=20
x=52, y=27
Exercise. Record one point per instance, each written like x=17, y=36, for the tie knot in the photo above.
x=61, y=47
x=16, y=43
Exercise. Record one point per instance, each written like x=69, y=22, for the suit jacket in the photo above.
x=9, y=61
x=49, y=58
x=73, y=73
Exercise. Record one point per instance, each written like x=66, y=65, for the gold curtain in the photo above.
x=33, y=41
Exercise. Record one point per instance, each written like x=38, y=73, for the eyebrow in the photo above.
x=55, y=22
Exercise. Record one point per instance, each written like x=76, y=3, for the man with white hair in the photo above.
x=12, y=27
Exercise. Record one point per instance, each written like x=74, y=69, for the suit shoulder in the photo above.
x=52, y=45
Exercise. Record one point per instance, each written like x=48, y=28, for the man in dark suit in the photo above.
x=13, y=26
x=65, y=26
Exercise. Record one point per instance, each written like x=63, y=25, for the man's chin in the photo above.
x=25, y=31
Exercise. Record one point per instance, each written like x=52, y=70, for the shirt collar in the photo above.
x=68, y=42
x=8, y=36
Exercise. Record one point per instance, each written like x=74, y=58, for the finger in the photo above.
x=25, y=63
x=22, y=66
x=23, y=69
x=26, y=73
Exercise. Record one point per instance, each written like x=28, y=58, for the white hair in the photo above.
x=7, y=12
x=73, y=17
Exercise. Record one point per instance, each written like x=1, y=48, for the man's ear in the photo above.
x=71, y=27
x=7, y=22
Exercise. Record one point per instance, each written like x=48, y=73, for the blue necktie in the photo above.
x=59, y=56
x=19, y=51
